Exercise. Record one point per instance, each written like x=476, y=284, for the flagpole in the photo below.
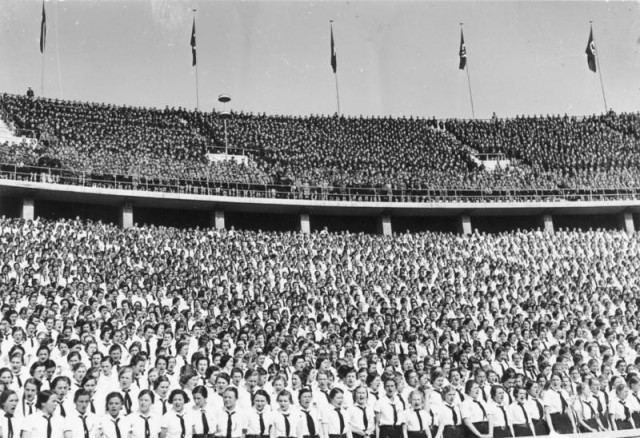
x=604, y=97
x=335, y=74
x=197, y=93
x=473, y=111
x=42, y=77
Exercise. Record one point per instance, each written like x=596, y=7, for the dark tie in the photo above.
x=164, y=406
x=310, y=424
x=31, y=340
x=326, y=395
x=182, y=426
x=455, y=415
x=30, y=408
x=341, y=418
x=84, y=425
x=62, y=411
x=484, y=396
x=564, y=403
x=93, y=407
x=19, y=381
x=365, y=421
x=148, y=349
x=205, y=424
x=592, y=410
x=627, y=413
x=115, y=425
x=600, y=409
x=419, y=419
x=127, y=401
x=147, y=429
x=287, y=425
x=229, y=424
x=395, y=414
x=10, y=432
x=524, y=411
x=262, y=427
x=48, y=426
x=504, y=413
x=540, y=410
x=484, y=413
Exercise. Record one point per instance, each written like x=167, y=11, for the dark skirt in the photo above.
x=540, y=427
x=561, y=423
x=522, y=430
x=624, y=424
x=592, y=423
x=502, y=432
x=416, y=434
x=390, y=431
x=604, y=419
x=481, y=426
x=635, y=416
x=453, y=432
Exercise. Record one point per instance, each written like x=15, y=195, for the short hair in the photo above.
x=286, y=394
x=263, y=393
x=149, y=393
x=4, y=396
x=177, y=392
x=334, y=392
x=200, y=390
x=44, y=397
x=111, y=395
x=79, y=393
x=59, y=379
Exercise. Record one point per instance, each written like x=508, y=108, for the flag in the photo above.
x=462, y=53
x=193, y=43
x=334, y=59
x=43, y=29
x=591, y=53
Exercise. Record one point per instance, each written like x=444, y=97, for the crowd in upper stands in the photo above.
x=159, y=332
x=170, y=147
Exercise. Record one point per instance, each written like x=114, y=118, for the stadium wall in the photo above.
x=127, y=207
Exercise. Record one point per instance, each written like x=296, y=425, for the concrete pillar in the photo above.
x=384, y=225
x=126, y=215
x=217, y=219
x=546, y=223
x=28, y=209
x=464, y=224
x=625, y=222
x=305, y=223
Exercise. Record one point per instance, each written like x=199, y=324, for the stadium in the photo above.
x=201, y=265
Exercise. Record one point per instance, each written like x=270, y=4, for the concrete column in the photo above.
x=305, y=223
x=217, y=219
x=384, y=225
x=546, y=223
x=625, y=222
x=464, y=224
x=126, y=215
x=28, y=209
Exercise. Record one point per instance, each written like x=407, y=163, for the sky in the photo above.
x=395, y=58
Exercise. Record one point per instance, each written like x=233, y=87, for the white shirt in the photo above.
x=355, y=418
x=253, y=421
x=73, y=424
x=137, y=426
x=279, y=423
x=238, y=422
x=36, y=426
x=171, y=422
x=385, y=407
x=108, y=426
x=410, y=418
x=331, y=421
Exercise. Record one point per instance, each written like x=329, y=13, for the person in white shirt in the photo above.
x=586, y=411
x=230, y=422
x=449, y=418
x=9, y=424
x=175, y=423
x=161, y=396
x=81, y=423
x=416, y=421
x=200, y=414
x=27, y=403
x=498, y=414
x=522, y=423
x=474, y=412
x=360, y=415
x=113, y=424
x=144, y=423
x=43, y=424
x=260, y=418
x=310, y=420
x=333, y=420
x=285, y=422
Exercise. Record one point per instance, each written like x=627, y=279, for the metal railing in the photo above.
x=50, y=175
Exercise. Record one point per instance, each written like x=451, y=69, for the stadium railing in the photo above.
x=306, y=192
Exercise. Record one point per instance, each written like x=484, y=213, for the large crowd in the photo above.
x=157, y=332
x=323, y=157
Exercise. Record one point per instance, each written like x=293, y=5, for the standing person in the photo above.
x=175, y=423
x=387, y=410
x=230, y=422
x=9, y=424
x=27, y=405
x=285, y=422
x=502, y=424
x=144, y=423
x=619, y=411
x=601, y=401
x=522, y=424
x=535, y=409
x=160, y=396
x=360, y=415
x=586, y=412
x=113, y=423
x=259, y=419
x=449, y=417
x=556, y=406
x=201, y=416
x=474, y=412
x=416, y=421
x=44, y=424
x=333, y=420
x=310, y=424
x=81, y=423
